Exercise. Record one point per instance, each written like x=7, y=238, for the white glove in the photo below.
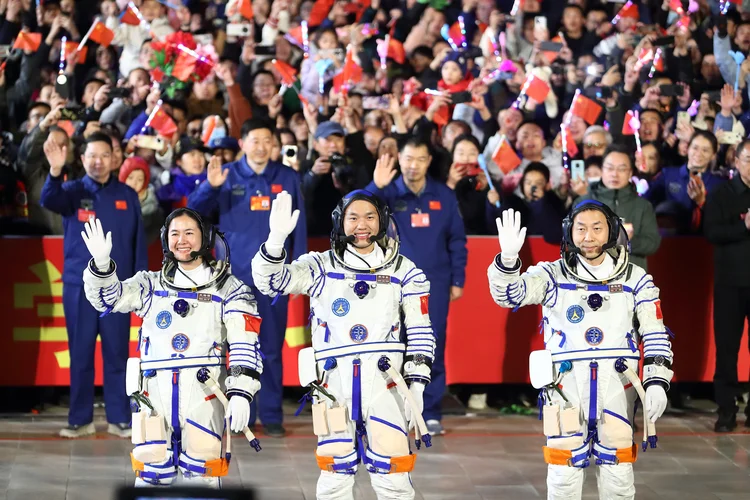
x=417, y=391
x=511, y=236
x=656, y=401
x=281, y=223
x=239, y=413
x=99, y=245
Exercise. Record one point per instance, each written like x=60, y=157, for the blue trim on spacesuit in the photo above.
x=186, y=295
x=389, y=424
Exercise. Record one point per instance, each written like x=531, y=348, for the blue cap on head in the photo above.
x=327, y=129
x=224, y=143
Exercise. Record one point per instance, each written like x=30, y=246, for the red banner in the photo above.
x=485, y=344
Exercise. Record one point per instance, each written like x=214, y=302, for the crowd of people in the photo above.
x=485, y=104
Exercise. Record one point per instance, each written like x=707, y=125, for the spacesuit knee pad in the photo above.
x=337, y=455
x=564, y=483
x=392, y=486
x=149, y=435
x=154, y=474
x=387, y=440
x=616, y=481
x=200, y=442
x=614, y=432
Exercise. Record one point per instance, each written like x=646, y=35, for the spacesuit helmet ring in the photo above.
x=387, y=233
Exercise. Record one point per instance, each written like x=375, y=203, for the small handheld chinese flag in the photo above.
x=184, y=66
x=287, y=73
x=537, y=89
x=586, y=109
x=71, y=47
x=163, y=123
x=28, y=41
x=505, y=157
x=626, y=128
x=131, y=15
x=101, y=34
x=319, y=12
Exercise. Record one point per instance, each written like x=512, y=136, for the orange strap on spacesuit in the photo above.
x=554, y=456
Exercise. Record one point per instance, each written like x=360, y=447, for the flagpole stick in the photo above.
x=85, y=38
x=483, y=165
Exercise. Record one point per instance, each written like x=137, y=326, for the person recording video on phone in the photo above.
x=679, y=193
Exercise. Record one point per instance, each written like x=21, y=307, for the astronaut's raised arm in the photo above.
x=304, y=276
x=108, y=294
x=511, y=289
x=242, y=321
x=420, y=340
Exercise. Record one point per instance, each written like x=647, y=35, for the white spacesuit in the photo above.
x=191, y=310
x=357, y=302
x=597, y=307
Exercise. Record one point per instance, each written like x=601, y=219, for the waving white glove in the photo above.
x=417, y=390
x=511, y=236
x=656, y=401
x=99, y=246
x=281, y=223
x=239, y=413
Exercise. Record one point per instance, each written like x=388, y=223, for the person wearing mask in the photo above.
x=97, y=195
x=239, y=194
x=727, y=228
x=616, y=191
x=434, y=238
x=542, y=211
x=681, y=191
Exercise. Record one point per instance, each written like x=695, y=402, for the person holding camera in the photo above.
x=239, y=194
x=102, y=196
x=433, y=237
x=332, y=174
x=541, y=209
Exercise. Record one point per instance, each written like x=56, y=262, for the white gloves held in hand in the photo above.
x=417, y=391
x=656, y=401
x=99, y=245
x=238, y=412
x=282, y=222
x=511, y=236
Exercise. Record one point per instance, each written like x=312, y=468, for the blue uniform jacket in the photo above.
x=246, y=229
x=116, y=205
x=440, y=249
x=671, y=185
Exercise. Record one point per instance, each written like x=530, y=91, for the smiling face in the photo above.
x=361, y=220
x=184, y=237
x=590, y=234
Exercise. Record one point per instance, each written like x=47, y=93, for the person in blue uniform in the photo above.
x=97, y=195
x=433, y=237
x=240, y=194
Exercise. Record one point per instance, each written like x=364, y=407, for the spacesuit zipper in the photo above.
x=593, y=396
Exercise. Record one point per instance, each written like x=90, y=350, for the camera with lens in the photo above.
x=72, y=113
x=342, y=169
x=121, y=92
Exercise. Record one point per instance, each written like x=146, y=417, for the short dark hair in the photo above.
x=97, y=137
x=536, y=166
x=256, y=124
x=416, y=142
x=461, y=123
x=574, y=6
x=709, y=136
x=617, y=148
x=38, y=104
x=532, y=122
x=595, y=161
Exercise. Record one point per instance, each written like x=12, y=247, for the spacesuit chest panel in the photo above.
x=584, y=319
x=342, y=318
x=182, y=329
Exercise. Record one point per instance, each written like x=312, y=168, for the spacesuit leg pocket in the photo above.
x=138, y=428
x=320, y=424
x=570, y=420
x=338, y=418
x=551, y=419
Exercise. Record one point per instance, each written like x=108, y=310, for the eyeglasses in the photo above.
x=619, y=170
x=593, y=145
x=194, y=131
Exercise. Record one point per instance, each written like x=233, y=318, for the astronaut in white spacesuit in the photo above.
x=191, y=310
x=597, y=307
x=359, y=291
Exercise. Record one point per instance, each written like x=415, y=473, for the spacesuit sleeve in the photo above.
x=107, y=294
x=241, y=319
x=511, y=289
x=272, y=277
x=420, y=339
x=653, y=333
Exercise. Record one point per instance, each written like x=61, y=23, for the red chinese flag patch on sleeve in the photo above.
x=424, y=302
x=659, y=314
x=252, y=323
